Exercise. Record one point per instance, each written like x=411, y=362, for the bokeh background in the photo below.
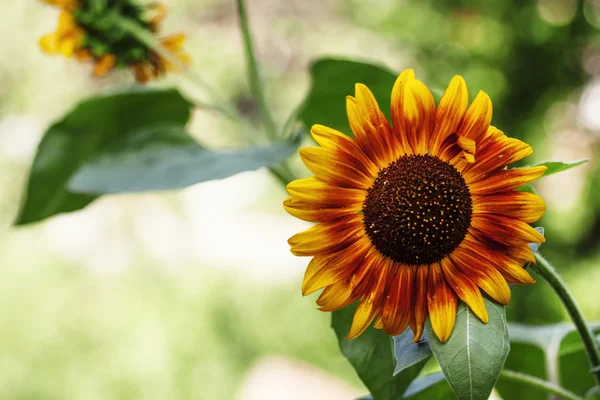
x=193, y=294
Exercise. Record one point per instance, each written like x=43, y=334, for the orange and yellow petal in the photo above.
x=449, y=113
x=525, y=206
x=104, y=64
x=441, y=303
x=336, y=167
x=465, y=289
x=317, y=213
x=315, y=191
x=398, y=308
x=370, y=304
x=420, y=302
x=327, y=237
x=503, y=230
x=325, y=270
x=506, y=180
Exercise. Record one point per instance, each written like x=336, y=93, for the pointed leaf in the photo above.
x=371, y=355
x=84, y=132
x=332, y=81
x=474, y=355
x=164, y=159
x=408, y=353
x=555, y=167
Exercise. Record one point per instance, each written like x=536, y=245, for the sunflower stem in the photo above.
x=538, y=383
x=254, y=75
x=150, y=40
x=549, y=273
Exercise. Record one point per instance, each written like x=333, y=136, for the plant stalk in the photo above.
x=254, y=75
x=547, y=271
x=538, y=383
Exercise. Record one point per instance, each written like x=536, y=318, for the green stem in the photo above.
x=547, y=271
x=253, y=74
x=538, y=383
x=147, y=38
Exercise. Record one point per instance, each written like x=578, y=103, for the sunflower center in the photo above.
x=418, y=210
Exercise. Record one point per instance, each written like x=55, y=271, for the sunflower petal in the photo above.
x=506, y=231
x=325, y=270
x=465, y=289
x=477, y=119
x=450, y=112
x=420, y=302
x=370, y=304
x=441, y=304
x=418, y=114
x=327, y=237
x=397, y=309
x=506, y=180
x=315, y=191
x=527, y=207
x=482, y=273
x=317, y=213
x=336, y=296
x=336, y=167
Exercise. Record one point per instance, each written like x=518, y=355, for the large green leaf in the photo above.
x=474, y=355
x=332, y=81
x=162, y=159
x=372, y=357
x=91, y=126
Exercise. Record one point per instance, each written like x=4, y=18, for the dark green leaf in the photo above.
x=164, y=159
x=372, y=357
x=408, y=353
x=429, y=387
x=332, y=81
x=528, y=359
x=574, y=365
x=558, y=166
x=474, y=355
x=84, y=132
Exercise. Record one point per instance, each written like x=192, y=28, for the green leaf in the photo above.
x=429, y=387
x=474, y=355
x=372, y=357
x=555, y=167
x=408, y=353
x=332, y=81
x=557, y=349
x=528, y=359
x=84, y=132
x=163, y=159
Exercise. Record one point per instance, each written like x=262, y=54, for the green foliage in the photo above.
x=371, y=356
x=555, y=167
x=408, y=353
x=85, y=132
x=474, y=355
x=332, y=81
x=429, y=387
x=556, y=348
x=142, y=146
x=163, y=159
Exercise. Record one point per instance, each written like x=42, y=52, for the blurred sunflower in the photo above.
x=415, y=214
x=89, y=31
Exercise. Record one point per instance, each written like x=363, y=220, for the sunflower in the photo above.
x=91, y=33
x=414, y=215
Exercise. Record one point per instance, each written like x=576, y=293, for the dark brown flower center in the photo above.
x=418, y=210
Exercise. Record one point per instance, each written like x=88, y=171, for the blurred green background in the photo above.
x=193, y=294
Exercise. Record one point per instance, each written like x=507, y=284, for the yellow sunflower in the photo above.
x=413, y=215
